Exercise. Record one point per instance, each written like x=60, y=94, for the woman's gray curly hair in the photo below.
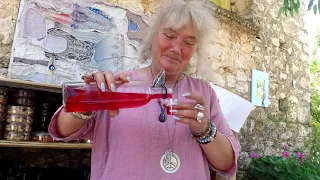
x=175, y=16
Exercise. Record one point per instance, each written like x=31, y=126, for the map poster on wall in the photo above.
x=58, y=41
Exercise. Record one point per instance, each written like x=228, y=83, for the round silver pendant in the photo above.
x=170, y=162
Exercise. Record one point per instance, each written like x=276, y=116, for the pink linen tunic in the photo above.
x=130, y=145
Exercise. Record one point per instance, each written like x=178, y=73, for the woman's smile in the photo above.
x=171, y=59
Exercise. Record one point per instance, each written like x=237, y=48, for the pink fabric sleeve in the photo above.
x=85, y=132
x=223, y=127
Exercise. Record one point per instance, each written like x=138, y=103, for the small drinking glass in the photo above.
x=169, y=105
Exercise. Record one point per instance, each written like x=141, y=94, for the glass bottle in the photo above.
x=82, y=97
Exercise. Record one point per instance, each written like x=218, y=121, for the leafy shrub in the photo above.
x=286, y=166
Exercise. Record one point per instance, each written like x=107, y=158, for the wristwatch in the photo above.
x=82, y=116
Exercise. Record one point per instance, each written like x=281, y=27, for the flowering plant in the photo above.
x=293, y=166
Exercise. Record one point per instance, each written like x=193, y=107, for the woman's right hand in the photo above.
x=107, y=80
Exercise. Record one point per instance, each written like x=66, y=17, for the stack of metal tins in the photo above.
x=43, y=135
x=3, y=109
x=20, y=115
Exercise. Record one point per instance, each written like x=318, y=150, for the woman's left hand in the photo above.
x=187, y=113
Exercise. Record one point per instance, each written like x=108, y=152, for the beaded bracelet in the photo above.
x=210, y=137
x=205, y=132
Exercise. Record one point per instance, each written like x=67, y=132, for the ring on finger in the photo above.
x=200, y=116
x=199, y=107
x=91, y=73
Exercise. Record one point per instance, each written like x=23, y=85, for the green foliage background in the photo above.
x=293, y=6
x=281, y=168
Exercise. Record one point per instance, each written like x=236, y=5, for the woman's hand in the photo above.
x=219, y=152
x=186, y=113
x=107, y=81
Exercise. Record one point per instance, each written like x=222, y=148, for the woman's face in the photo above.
x=173, y=50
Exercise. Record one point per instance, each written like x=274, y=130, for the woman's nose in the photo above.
x=176, y=47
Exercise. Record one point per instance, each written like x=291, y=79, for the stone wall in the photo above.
x=8, y=17
x=266, y=42
x=281, y=49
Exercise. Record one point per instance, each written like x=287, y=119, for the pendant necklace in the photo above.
x=169, y=161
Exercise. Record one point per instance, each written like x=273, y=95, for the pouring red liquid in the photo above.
x=81, y=97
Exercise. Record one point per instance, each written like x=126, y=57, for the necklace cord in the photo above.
x=175, y=123
x=166, y=95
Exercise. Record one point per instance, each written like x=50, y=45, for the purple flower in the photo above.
x=285, y=154
x=254, y=155
x=300, y=155
x=285, y=146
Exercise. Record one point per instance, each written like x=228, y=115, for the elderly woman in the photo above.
x=132, y=143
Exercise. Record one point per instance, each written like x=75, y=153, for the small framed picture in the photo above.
x=260, y=88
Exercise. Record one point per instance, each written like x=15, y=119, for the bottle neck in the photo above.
x=161, y=93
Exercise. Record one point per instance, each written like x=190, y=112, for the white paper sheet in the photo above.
x=234, y=108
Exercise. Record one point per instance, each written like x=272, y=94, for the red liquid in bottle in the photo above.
x=81, y=100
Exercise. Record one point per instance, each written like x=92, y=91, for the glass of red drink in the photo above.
x=170, y=105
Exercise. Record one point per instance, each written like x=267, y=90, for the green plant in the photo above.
x=293, y=6
x=290, y=6
x=315, y=90
x=283, y=167
x=315, y=148
x=315, y=103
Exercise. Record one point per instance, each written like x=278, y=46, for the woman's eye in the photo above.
x=168, y=36
x=188, y=44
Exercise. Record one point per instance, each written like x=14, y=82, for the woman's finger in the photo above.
x=186, y=113
x=110, y=80
x=121, y=79
x=100, y=79
x=88, y=78
x=182, y=105
x=187, y=121
x=195, y=96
